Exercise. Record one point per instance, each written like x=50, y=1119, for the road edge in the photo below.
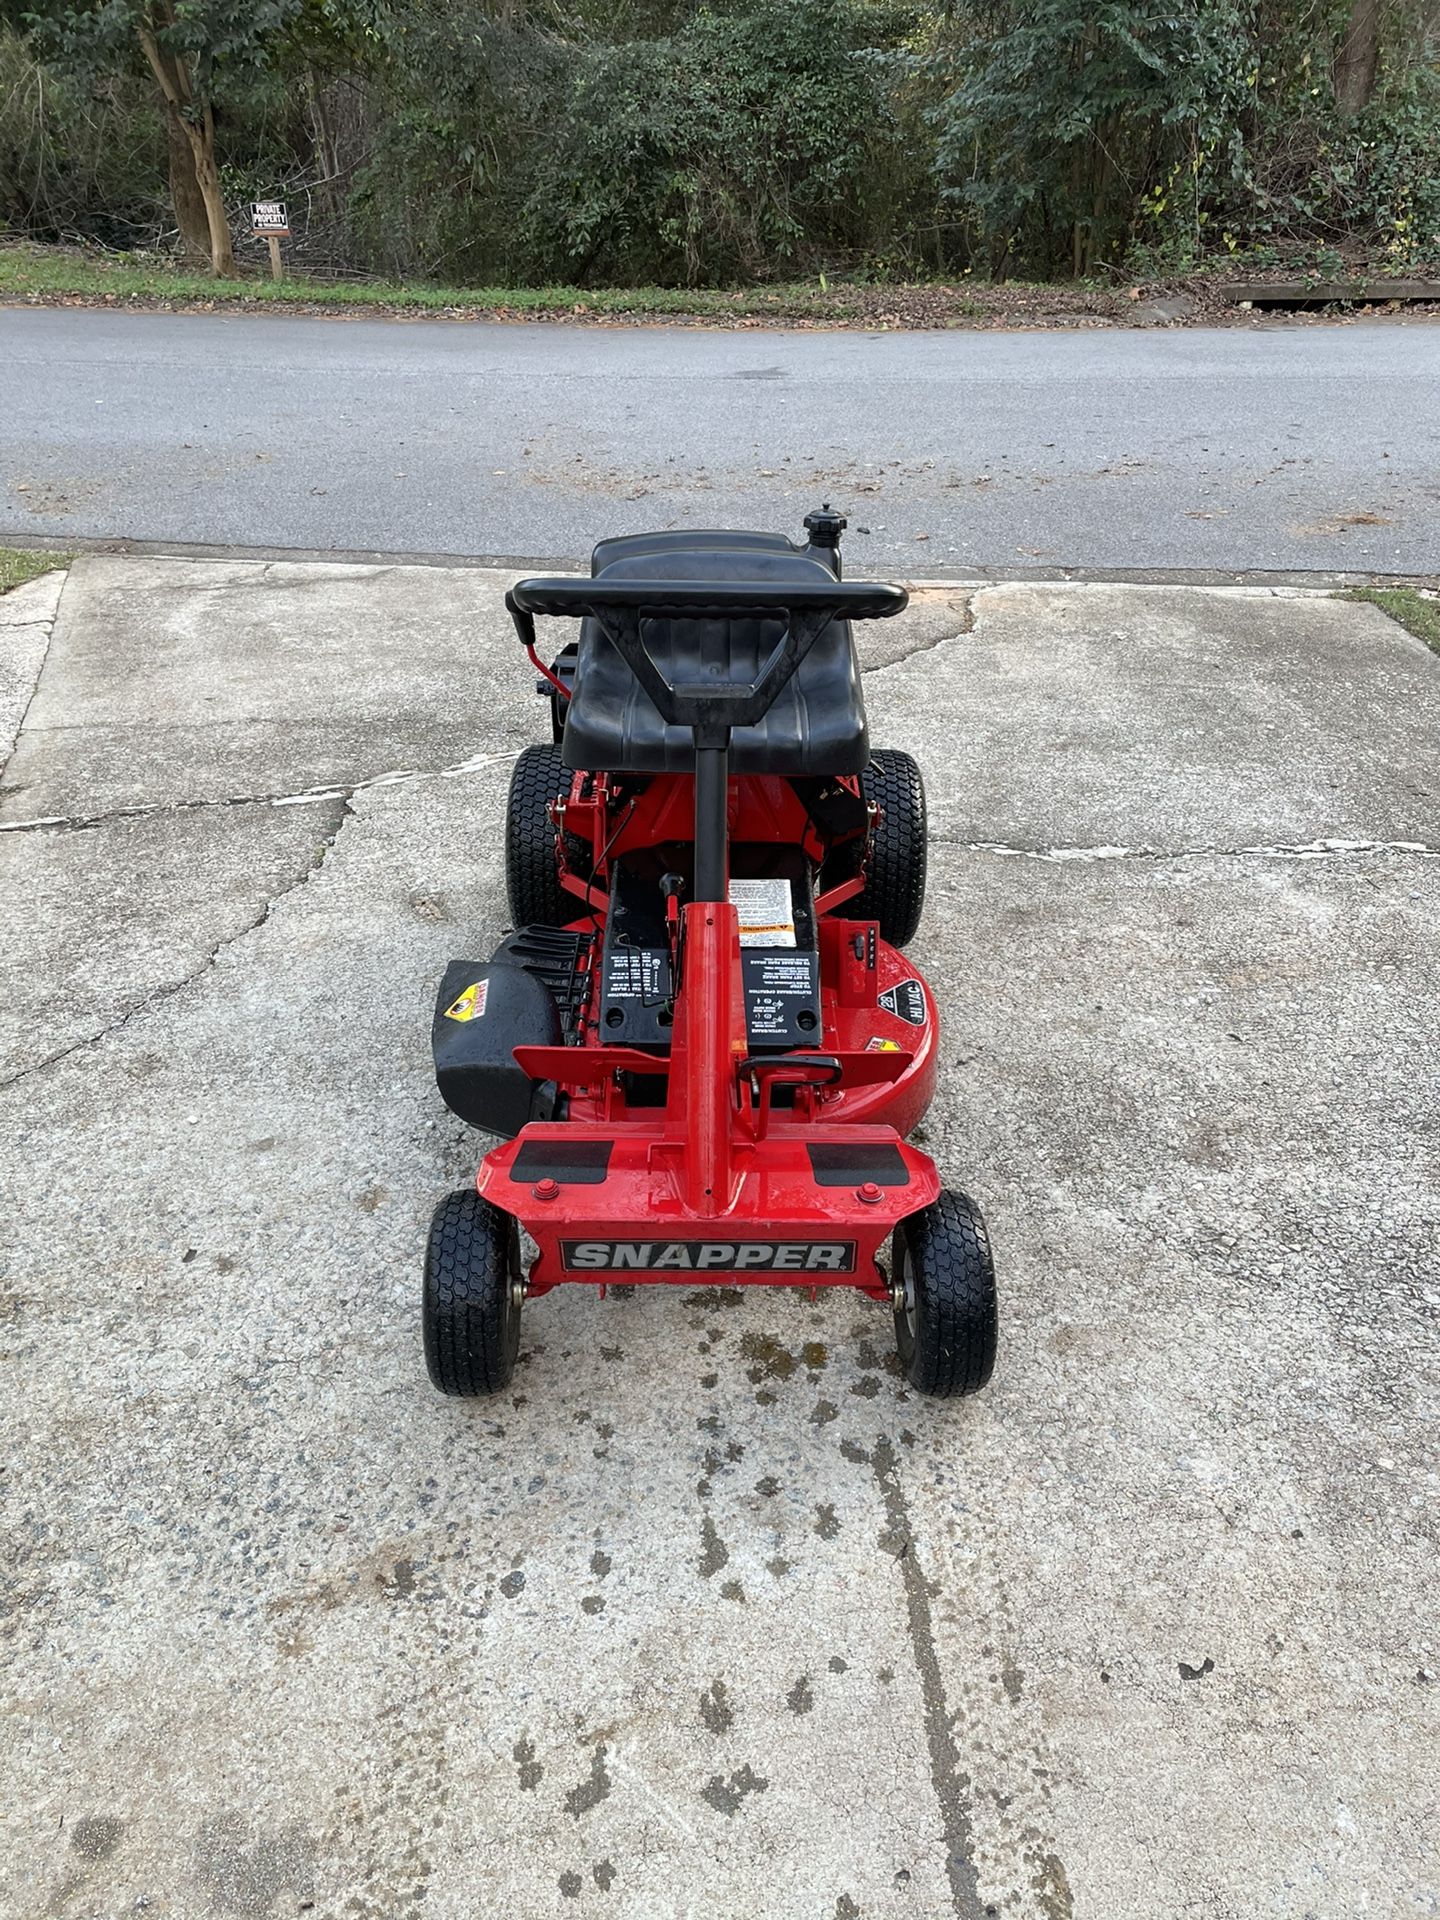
x=1319, y=580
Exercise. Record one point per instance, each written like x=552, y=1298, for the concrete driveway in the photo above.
x=708, y=1617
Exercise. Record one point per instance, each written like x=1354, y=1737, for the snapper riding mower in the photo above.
x=701, y=1045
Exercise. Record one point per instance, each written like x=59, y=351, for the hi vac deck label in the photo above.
x=708, y=1256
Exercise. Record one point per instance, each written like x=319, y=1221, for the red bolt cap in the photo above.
x=869, y=1193
x=546, y=1190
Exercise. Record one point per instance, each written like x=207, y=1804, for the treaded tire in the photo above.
x=470, y=1311
x=894, y=891
x=946, y=1330
x=532, y=879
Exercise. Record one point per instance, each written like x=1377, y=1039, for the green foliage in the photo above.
x=223, y=41
x=603, y=142
x=1318, y=181
x=728, y=149
x=78, y=157
x=1072, y=125
x=462, y=104
x=725, y=152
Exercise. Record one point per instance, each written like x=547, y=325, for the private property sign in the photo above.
x=268, y=217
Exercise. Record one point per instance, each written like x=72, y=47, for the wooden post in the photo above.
x=276, y=272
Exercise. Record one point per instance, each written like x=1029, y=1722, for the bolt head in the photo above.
x=546, y=1190
x=869, y=1193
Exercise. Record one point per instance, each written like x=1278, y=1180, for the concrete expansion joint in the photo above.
x=307, y=575
x=947, y=1774
x=159, y=995
x=306, y=797
x=1296, y=850
x=48, y=628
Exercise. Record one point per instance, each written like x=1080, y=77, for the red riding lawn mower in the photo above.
x=701, y=1045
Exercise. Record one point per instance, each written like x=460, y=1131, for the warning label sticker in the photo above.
x=471, y=1004
x=766, y=910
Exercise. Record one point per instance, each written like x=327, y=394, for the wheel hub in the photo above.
x=902, y=1292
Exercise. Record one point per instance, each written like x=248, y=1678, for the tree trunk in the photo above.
x=197, y=125
x=185, y=195
x=1357, y=58
x=207, y=176
x=327, y=148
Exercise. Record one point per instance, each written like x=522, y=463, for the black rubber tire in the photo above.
x=470, y=1309
x=947, y=1337
x=532, y=879
x=894, y=891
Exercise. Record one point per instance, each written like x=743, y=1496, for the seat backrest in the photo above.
x=817, y=725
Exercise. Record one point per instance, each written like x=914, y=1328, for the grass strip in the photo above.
x=24, y=272
x=1415, y=611
x=19, y=565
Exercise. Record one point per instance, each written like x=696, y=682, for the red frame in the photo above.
x=719, y=1163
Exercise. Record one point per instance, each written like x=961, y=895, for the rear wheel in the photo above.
x=894, y=891
x=532, y=879
x=474, y=1287
x=946, y=1314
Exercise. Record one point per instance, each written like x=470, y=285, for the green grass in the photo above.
x=17, y=566
x=1416, y=612
x=25, y=271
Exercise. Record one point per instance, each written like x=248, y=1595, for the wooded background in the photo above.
x=655, y=142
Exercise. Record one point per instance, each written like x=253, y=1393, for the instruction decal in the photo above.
x=766, y=911
x=906, y=1000
x=471, y=1004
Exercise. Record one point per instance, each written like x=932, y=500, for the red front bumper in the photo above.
x=809, y=1205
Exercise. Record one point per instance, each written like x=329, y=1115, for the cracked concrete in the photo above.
x=67, y=934
x=306, y=797
x=935, y=615
x=1310, y=850
x=322, y=677
x=708, y=1616
x=26, y=618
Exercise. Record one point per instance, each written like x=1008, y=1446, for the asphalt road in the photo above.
x=1311, y=448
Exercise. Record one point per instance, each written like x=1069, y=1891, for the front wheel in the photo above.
x=946, y=1313
x=474, y=1287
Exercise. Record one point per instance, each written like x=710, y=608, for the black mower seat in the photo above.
x=817, y=724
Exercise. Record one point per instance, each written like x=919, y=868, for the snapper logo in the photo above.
x=708, y=1256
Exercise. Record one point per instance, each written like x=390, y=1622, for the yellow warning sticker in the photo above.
x=877, y=1045
x=471, y=1003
